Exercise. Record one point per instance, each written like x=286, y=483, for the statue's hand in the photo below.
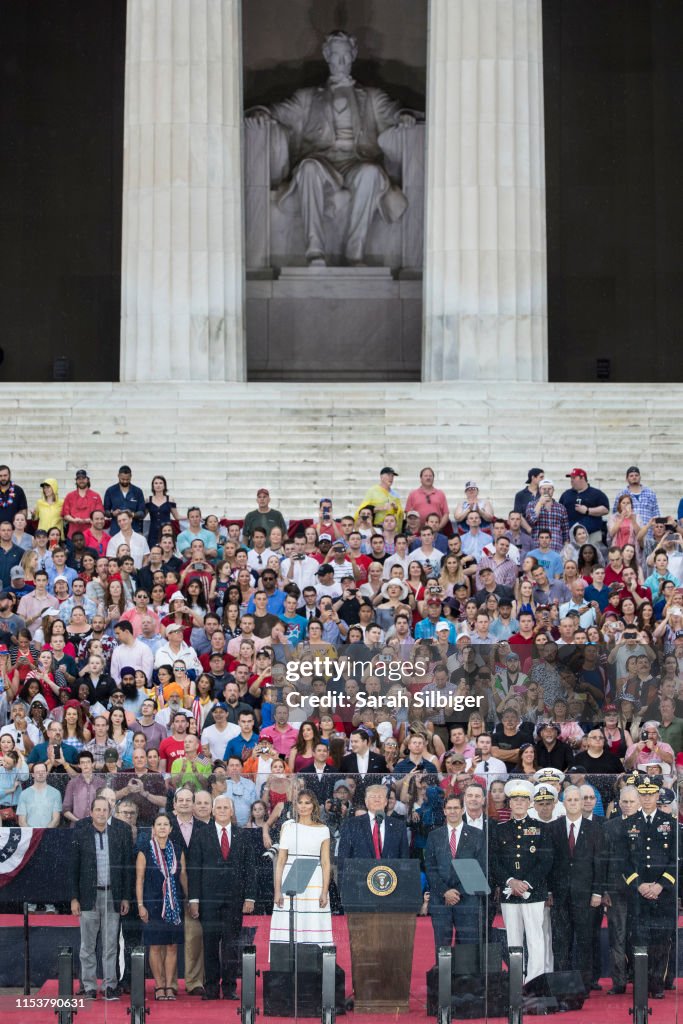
x=258, y=116
x=407, y=119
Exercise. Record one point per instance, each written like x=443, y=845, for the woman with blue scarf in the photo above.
x=160, y=884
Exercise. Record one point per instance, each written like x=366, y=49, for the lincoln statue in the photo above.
x=334, y=134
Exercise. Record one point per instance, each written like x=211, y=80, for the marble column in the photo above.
x=485, y=301
x=182, y=302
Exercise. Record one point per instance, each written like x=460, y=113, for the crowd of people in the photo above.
x=199, y=698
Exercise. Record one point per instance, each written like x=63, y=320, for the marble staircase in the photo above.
x=217, y=443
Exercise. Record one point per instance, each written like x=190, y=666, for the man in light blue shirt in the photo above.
x=241, y=791
x=550, y=560
x=40, y=806
x=195, y=531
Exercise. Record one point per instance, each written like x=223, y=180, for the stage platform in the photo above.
x=599, y=1007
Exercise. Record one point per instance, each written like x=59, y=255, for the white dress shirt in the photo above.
x=382, y=827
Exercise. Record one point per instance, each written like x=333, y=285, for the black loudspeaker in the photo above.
x=473, y=995
x=308, y=957
x=554, y=993
x=282, y=998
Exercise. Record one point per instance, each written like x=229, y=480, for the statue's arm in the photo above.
x=290, y=113
x=389, y=113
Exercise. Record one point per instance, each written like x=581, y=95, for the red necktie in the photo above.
x=572, y=840
x=377, y=839
x=453, y=843
x=225, y=844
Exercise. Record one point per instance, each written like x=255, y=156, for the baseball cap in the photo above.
x=81, y=472
x=262, y=490
x=387, y=469
x=324, y=570
x=577, y=472
x=546, y=483
x=441, y=626
x=173, y=627
x=177, y=595
x=325, y=536
x=469, y=484
x=413, y=512
x=17, y=573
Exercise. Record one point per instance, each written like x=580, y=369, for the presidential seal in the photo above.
x=382, y=881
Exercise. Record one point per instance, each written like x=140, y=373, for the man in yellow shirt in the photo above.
x=383, y=499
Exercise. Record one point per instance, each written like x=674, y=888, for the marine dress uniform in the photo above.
x=521, y=851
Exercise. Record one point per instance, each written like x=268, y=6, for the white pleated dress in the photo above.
x=312, y=923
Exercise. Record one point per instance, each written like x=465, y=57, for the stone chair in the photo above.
x=274, y=236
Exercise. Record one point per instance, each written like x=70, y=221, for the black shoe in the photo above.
x=616, y=990
x=211, y=993
x=124, y=988
x=657, y=995
x=111, y=995
x=199, y=991
x=230, y=991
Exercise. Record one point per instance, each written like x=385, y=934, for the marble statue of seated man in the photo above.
x=333, y=133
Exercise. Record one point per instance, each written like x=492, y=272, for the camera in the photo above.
x=644, y=736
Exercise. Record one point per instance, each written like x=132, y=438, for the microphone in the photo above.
x=379, y=817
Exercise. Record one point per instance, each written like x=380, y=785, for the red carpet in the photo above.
x=600, y=1007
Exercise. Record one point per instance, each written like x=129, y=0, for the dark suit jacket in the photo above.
x=83, y=876
x=178, y=838
x=577, y=878
x=221, y=886
x=437, y=859
x=322, y=787
x=377, y=767
x=355, y=840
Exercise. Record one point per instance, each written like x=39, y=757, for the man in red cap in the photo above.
x=585, y=505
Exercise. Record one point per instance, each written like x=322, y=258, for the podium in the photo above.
x=381, y=900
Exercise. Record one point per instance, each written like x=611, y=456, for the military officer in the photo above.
x=545, y=804
x=652, y=878
x=521, y=860
x=616, y=895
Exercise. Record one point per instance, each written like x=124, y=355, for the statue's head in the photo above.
x=340, y=50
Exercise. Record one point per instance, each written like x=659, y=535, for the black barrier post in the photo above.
x=445, y=964
x=248, y=1009
x=329, y=1001
x=65, y=986
x=27, y=955
x=137, y=1009
x=640, y=1010
x=516, y=975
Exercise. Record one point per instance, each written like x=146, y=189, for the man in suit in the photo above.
x=372, y=835
x=221, y=872
x=450, y=908
x=365, y=766
x=101, y=887
x=577, y=886
x=320, y=777
x=185, y=828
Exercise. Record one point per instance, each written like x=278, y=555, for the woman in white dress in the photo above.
x=305, y=837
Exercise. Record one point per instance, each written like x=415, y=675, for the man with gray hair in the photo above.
x=334, y=139
x=577, y=887
x=221, y=871
x=616, y=895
